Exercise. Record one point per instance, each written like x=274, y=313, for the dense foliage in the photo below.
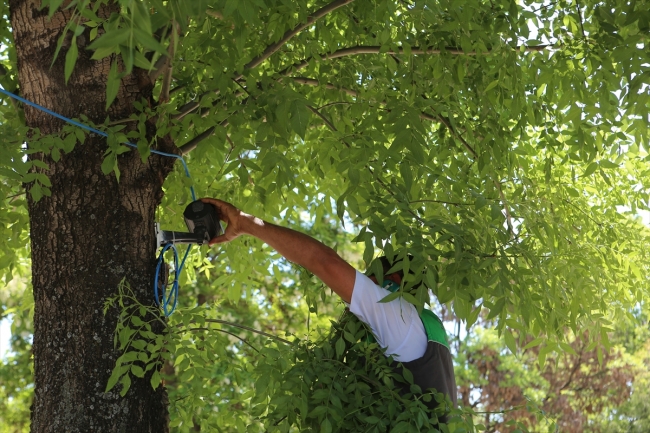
x=502, y=144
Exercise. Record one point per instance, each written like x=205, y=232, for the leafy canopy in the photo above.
x=501, y=144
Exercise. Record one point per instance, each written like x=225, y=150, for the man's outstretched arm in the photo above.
x=296, y=247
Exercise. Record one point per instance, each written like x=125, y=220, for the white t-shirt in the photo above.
x=396, y=324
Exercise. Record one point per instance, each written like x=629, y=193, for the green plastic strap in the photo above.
x=434, y=327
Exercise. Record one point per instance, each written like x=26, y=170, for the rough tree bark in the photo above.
x=85, y=238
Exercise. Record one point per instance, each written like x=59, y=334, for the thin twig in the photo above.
x=121, y=121
x=442, y=202
x=243, y=88
x=229, y=140
x=582, y=27
x=316, y=83
x=599, y=224
x=505, y=208
x=360, y=49
x=271, y=49
x=247, y=328
x=329, y=124
x=545, y=6
x=331, y=104
x=447, y=123
x=12, y=197
x=225, y=332
x=353, y=93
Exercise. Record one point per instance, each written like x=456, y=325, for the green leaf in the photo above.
x=140, y=61
x=568, y=349
x=354, y=176
x=496, y=310
x=101, y=53
x=299, y=118
x=53, y=6
x=40, y=164
x=141, y=18
x=599, y=354
x=326, y=426
x=492, y=85
x=473, y=317
x=340, y=347
x=111, y=39
x=109, y=162
x=148, y=41
x=112, y=380
x=126, y=384
x=390, y=297
x=36, y=191
x=407, y=175
x=496, y=212
x=155, y=379
x=607, y=164
x=137, y=371
x=71, y=59
x=112, y=84
x=510, y=341
x=480, y=202
x=536, y=342
x=590, y=169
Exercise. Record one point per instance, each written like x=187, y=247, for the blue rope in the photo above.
x=173, y=293
x=96, y=131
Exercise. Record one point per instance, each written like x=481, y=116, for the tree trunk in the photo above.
x=88, y=235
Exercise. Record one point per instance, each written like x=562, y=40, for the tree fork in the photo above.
x=86, y=237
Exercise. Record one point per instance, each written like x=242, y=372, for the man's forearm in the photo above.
x=305, y=251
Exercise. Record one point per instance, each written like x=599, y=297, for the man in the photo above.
x=418, y=343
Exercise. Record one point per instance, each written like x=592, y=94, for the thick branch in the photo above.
x=268, y=52
x=163, y=61
x=187, y=108
x=353, y=51
x=158, y=68
x=191, y=145
x=167, y=75
x=347, y=52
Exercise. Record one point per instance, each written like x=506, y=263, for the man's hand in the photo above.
x=233, y=217
x=296, y=247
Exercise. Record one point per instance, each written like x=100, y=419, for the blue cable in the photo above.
x=173, y=293
x=96, y=131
